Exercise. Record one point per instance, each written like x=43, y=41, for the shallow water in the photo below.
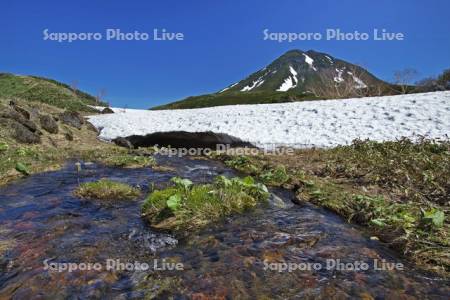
x=41, y=221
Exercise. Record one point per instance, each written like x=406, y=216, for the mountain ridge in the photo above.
x=294, y=76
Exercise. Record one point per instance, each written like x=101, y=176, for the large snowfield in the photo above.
x=324, y=123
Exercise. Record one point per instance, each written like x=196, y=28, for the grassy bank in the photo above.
x=21, y=160
x=399, y=190
x=52, y=149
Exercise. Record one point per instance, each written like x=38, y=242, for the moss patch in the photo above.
x=107, y=189
x=186, y=206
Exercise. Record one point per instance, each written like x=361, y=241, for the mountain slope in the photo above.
x=294, y=76
x=32, y=88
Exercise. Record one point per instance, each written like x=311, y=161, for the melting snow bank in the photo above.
x=324, y=123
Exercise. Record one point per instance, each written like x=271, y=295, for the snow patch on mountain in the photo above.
x=310, y=62
x=293, y=72
x=324, y=123
x=359, y=83
x=228, y=87
x=286, y=85
x=254, y=84
x=339, y=78
x=290, y=82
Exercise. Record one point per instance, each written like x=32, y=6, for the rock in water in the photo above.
x=48, y=124
x=72, y=118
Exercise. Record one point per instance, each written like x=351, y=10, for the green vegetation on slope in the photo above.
x=399, y=190
x=38, y=89
x=186, y=206
x=236, y=98
x=54, y=148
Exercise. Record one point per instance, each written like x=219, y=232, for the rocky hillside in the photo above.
x=42, y=124
x=38, y=89
x=294, y=76
x=36, y=137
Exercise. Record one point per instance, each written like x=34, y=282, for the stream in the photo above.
x=43, y=228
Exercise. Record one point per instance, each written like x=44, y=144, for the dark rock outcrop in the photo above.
x=48, y=123
x=183, y=139
x=68, y=135
x=19, y=118
x=107, y=110
x=72, y=118
x=26, y=114
x=123, y=142
x=24, y=135
x=91, y=127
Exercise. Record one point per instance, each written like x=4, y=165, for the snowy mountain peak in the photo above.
x=305, y=72
x=294, y=76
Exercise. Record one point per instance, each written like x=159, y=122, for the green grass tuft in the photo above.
x=275, y=177
x=107, y=189
x=244, y=164
x=129, y=161
x=186, y=206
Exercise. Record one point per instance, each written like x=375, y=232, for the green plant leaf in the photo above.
x=223, y=181
x=20, y=167
x=262, y=188
x=378, y=222
x=3, y=147
x=174, y=202
x=316, y=193
x=184, y=183
x=21, y=152
x=308, y=183
x=248, y=181
x=434, y=216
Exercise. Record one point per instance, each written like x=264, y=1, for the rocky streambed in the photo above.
x=54, y=245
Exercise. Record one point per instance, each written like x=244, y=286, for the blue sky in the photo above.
x=223, y=41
